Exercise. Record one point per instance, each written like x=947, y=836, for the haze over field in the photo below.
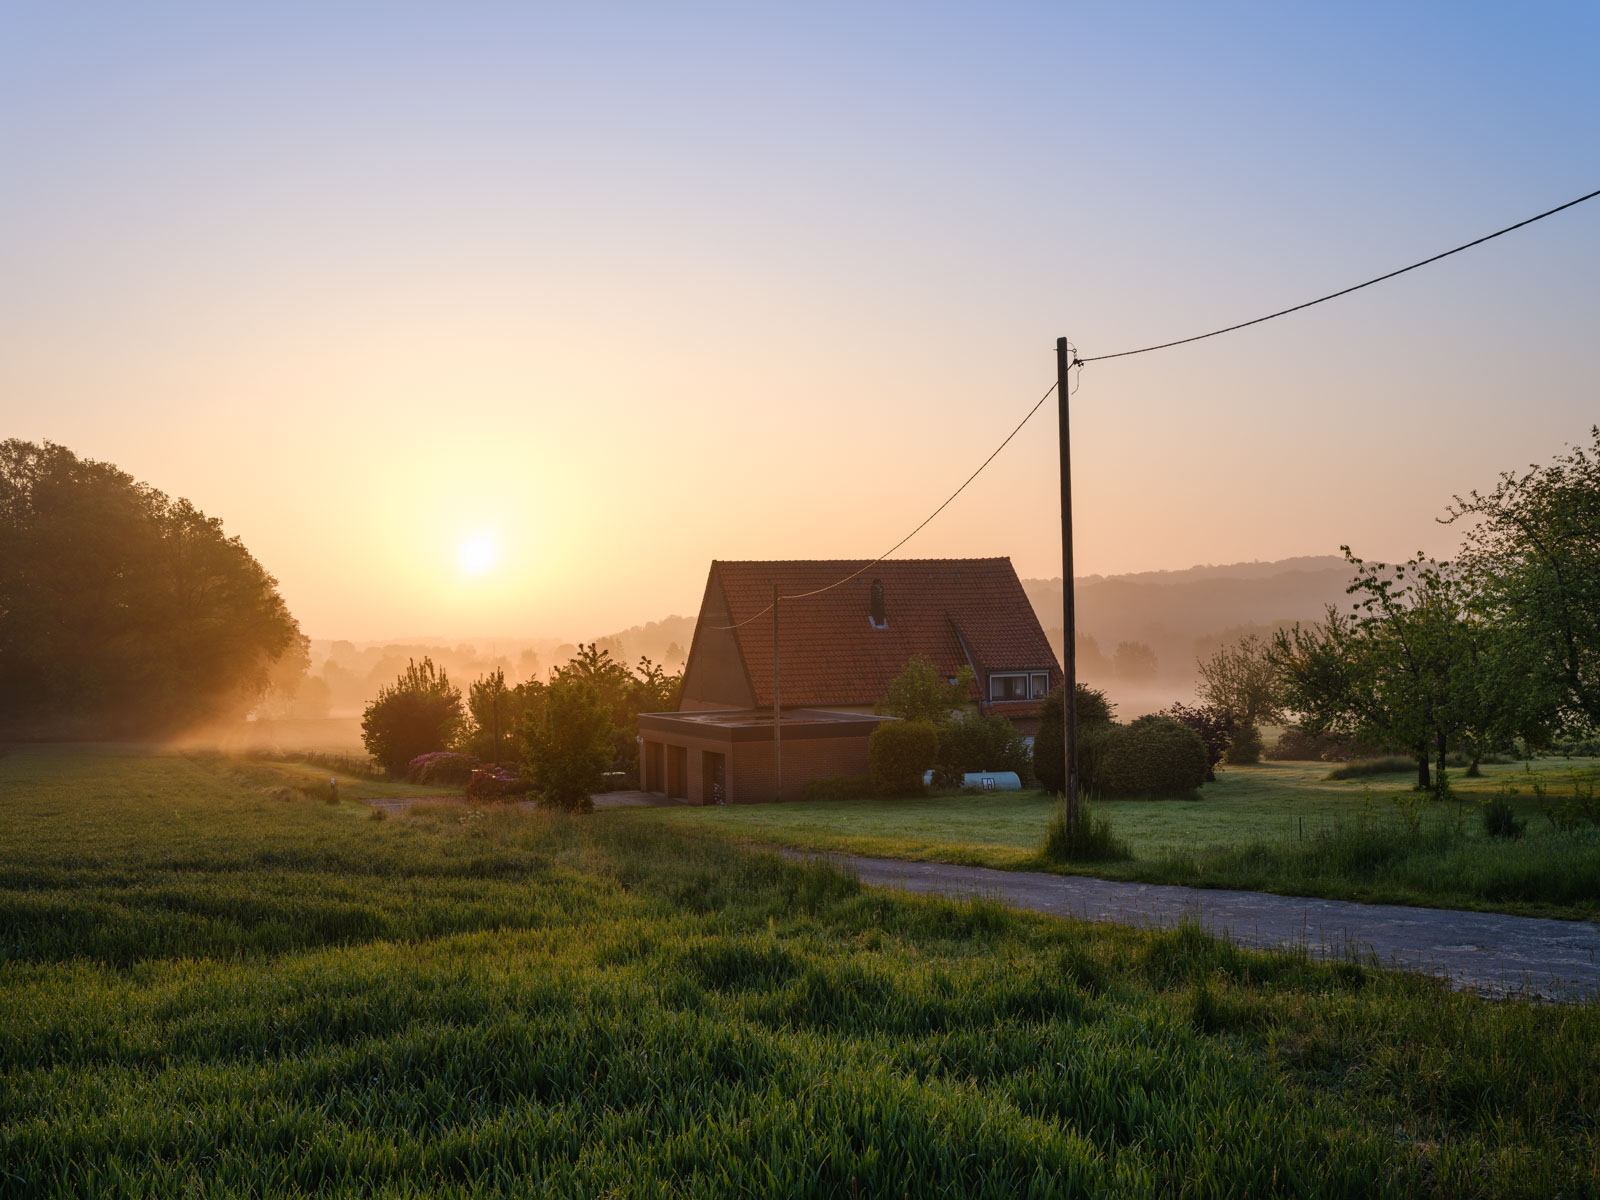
x=511, y=320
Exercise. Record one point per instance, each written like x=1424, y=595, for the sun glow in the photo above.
x=477, y=554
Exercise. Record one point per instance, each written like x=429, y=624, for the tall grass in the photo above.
x=1093, y=839
x=204, y=992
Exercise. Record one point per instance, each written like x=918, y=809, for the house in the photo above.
x=838, y=647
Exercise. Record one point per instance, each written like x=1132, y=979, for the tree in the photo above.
x=1134, y=662
x=1242, y=679
x=1092, y=711
x=494, y=710
x=419, y=713
x=568, y=744
x=1534, y=557
x=623, y=693
x=124, y=612
x=921, y=693
x=1404, y=668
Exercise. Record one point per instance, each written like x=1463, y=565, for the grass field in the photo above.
x=1280, y=827
x=209, y=989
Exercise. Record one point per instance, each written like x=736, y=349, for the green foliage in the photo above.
x=921, y=693
x=1091, y=840
x=1533, y=551
x=1243, y=679
x=1217, y=727
x=1246, y=748
x=1389, y=764
x=494, y=710
x=124, y=613
x=624, y=694
x=1092, y=710
x=419, y=713
x=975, y=743
x=1500, y=819
x=207, y=995
x=569, y=744
x=899, y=753
x=1153, y=756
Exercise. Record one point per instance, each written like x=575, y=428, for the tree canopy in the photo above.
x=1533, y=551
x=124, y=612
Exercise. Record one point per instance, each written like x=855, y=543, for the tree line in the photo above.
x=123, y=612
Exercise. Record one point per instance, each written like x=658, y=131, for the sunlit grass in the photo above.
x=206, y=991
x=1277, y=826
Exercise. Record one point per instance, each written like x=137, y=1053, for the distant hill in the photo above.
x=1183, y=616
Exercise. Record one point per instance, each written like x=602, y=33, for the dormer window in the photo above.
x=1008, y=687
x=1040, y=686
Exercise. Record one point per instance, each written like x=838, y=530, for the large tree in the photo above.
x=1534, y=552
x=1408, y=665
x=124, y=612
x=1242, y=679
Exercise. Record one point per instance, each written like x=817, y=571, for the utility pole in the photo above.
x=1069, y=616
x=777, y=718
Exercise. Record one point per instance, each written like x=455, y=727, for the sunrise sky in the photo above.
x=506, y=319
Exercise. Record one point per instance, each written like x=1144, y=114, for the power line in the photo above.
x=1344, y=292
x=920, y=527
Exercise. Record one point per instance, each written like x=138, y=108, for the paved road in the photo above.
x=1483, y=952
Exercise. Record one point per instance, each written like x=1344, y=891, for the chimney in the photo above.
x=877, y=615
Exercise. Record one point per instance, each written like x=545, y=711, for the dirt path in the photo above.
x=1484, y=952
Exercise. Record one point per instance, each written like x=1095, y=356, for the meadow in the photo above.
x=1279, y=826
x=212, y=984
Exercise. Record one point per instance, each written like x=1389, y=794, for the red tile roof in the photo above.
x=954, y=611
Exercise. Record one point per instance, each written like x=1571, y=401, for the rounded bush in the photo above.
x=1049, y=754
x=1154, y=756
x=899, y=752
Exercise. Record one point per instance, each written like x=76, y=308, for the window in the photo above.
x=1008, y=687
x=1041, y=686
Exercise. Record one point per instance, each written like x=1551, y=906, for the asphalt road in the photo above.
x=1484, y=952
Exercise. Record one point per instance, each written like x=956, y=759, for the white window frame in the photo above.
x=1042, y=680
x=997, y=676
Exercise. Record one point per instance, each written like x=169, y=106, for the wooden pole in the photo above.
x=777, y=716
x=1069, y=616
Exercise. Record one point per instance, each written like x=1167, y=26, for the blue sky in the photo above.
x=629, y=288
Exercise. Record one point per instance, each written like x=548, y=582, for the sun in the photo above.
x=477, y=554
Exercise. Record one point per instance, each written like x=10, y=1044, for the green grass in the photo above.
x=206, y=990
x=1278, y=826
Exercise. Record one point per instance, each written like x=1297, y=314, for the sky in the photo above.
x=482, y=319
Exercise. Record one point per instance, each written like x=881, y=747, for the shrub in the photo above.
x=922, y=693
x=421, y=711
x=441, y=766
x=838, y=787
x=1154, y=756
x=899, y=752
x=974, y=743
x=496, y=783
x=1216, y=726
x=1049, y=755
x=1499, y=820
x=1246, y=747
x=1092, y=841
x=569, y=744
x=1389, y=764
x=1296, y=745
